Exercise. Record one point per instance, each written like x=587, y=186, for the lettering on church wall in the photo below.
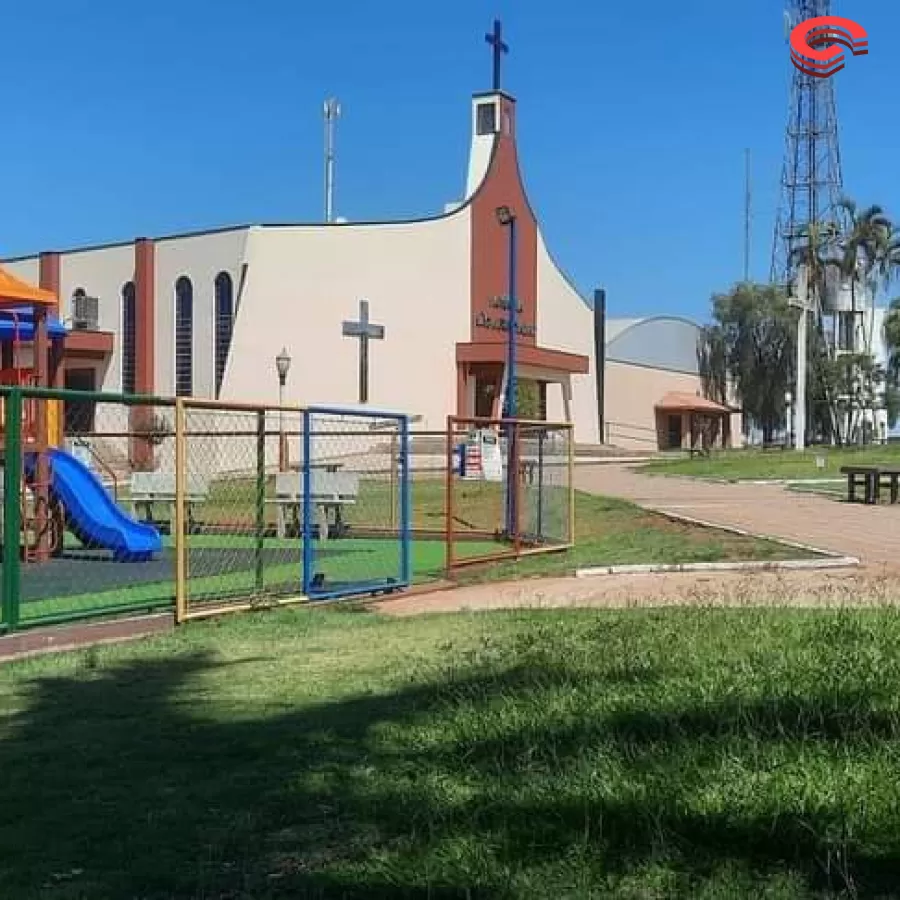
x=501, y=322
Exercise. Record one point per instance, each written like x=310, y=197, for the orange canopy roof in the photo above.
x=683, y=402
x=15, y=292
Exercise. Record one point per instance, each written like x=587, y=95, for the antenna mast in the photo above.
x=811, y=180
x=332, y=111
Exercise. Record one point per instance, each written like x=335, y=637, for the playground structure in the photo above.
x=57, y=491
x=117, y=505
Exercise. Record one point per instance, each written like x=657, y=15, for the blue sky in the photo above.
x=125, y=119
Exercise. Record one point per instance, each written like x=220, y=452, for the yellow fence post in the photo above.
x=180, y=509
x=571, y=442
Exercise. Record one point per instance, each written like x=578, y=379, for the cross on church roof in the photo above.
x=495, y=39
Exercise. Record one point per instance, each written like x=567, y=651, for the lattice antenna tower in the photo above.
x=811, y=179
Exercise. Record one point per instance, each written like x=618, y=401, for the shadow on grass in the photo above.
x=121, y=782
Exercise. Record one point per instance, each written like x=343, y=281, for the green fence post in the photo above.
x=12, y=515
x=260, y=498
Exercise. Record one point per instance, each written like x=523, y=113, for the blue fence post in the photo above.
x=308, y=555
x=540, y=493
x=405, y=505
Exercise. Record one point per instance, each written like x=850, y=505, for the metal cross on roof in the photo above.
x=495, y=39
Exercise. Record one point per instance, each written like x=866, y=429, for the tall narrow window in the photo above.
x=128, y=339
x=224, y=324
x=184, y=337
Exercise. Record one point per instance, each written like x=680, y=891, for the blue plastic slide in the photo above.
x=92, y=515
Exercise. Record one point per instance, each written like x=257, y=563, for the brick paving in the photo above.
x=870, y=533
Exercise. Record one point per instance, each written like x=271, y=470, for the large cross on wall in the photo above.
x=364, y=331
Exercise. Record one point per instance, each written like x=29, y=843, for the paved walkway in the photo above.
x=871, y=533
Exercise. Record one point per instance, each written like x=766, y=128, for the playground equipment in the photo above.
x=58, y=490
x=91, y=514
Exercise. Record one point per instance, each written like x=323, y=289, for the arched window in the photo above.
x=184, y=337
x=224, y=324
x=128, y=338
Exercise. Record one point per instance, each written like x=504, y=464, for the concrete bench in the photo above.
x=330, y=491
x=149, y=489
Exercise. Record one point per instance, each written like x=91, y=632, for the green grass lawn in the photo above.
x=684, y=753
x=775, y=464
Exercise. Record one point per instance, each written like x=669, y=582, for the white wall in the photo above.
x=201, y=258
x=303, y=282
x=564, y=322
x=102, y=273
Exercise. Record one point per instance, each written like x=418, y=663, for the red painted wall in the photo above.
x=490, y=243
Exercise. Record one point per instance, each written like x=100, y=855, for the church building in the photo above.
x=410, y=316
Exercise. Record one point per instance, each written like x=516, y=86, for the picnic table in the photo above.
x=871, y=478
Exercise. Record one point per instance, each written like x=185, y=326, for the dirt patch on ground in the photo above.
x=823, y=588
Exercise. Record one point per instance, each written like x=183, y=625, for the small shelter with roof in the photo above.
x=689, y=421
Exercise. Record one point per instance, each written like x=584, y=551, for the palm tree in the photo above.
x=864, y=249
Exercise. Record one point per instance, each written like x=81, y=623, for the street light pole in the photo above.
x=789, y=429
x=801, y=301
x=282, y=367
x=507, y=219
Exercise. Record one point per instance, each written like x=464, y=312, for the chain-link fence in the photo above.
x=240, y=525
x=509, y=489
x=546, y=510
x=75, y=543
x=356, y=502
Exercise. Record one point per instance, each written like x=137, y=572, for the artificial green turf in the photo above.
x=579, y=754
x=359, y=559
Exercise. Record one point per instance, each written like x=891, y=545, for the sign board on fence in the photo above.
x=491, y=457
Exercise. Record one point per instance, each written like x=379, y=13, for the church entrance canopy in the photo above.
x=481, y=367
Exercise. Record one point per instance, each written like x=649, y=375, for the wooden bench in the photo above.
x=149, y=489
x=330, y=491
x=871, y=478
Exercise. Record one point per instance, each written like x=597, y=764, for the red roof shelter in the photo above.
x=681, y=415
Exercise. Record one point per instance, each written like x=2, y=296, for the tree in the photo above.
x=751, y=347
x=712, y=357
x=528, y=399
x=892, y=339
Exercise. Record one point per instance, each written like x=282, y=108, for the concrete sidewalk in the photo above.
x=871, y=533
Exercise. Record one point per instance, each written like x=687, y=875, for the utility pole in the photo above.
x=802, y=302
x=332, y=111
x=748, y=212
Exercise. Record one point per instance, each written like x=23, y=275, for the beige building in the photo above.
x=653, y=388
